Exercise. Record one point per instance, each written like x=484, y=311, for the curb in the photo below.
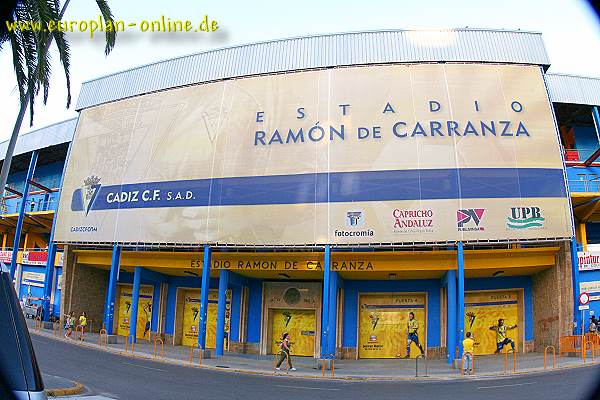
x=77, y=389
x=484, y=376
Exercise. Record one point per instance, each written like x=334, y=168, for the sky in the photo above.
x=571, y=33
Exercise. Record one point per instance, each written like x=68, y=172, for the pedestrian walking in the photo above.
x=82, y=324
x=284, y=352
x=501, y=338
x=69, y=323
x=468, y=345
x=593, y=327
x=412, y=327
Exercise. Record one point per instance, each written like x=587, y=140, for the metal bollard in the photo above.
x=417, y=365
x=553, y=354
x=162, y=347
x=101, y=335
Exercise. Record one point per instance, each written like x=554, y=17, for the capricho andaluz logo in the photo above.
x=89, y=192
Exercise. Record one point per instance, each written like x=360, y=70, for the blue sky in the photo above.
x=570, y=30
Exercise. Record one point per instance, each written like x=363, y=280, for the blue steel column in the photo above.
x=49, y=275
x=332, y=321
x=19, y=227
x=451, y=316
x=223, y=282
x=575, y=279
x=204, y=298
x=135, y=298
x=460, y=306
x=325, y=305
x=109, y=305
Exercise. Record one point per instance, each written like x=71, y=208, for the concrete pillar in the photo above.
x=332, y=320
x=221, y=306
x=113, y=278
x=204, y=298
x=19, y=227
x=451, y=302
x=325, y=303
x=135, y=297
x=460, y=305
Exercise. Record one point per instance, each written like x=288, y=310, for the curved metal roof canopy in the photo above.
x=342, y=49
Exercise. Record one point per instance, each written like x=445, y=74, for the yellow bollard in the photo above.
x=102, y=335
x=162, y=347
x=553, y=354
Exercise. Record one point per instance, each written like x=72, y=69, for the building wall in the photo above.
x=84, y=289
x=553, y=301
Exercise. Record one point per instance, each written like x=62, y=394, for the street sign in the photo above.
x=584, y=298
x=585, y=307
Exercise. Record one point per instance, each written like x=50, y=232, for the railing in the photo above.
x=30, y=206
x=585, y=184
x=424, y=357
x=570, y=344
x=553, y=356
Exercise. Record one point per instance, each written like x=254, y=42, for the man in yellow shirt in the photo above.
x=501, y=338
x=468, y=345
x=413, y=335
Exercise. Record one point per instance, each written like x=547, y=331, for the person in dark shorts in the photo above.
x=501, y=338
x=412, y=334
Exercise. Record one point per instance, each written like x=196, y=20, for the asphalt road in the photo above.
x=127, y=378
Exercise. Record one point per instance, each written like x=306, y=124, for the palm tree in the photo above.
x=31, y=58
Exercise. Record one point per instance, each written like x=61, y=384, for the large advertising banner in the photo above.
x=144, y=317
x=191, y=313
x=483, y=310
x=299, y=324
x=379, y=154
x=384, y=327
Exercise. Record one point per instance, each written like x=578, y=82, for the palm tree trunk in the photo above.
x=15, y=133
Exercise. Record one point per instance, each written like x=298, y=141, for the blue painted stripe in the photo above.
x=426, y=184
x=491, y=303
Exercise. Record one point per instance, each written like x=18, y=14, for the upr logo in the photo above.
x=354, y=219
x=525, y=218
x=469, y=219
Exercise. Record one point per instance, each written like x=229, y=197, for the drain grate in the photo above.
x=221, y=366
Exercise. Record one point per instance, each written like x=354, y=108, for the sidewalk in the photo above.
x=59, y=386
x=389, y=369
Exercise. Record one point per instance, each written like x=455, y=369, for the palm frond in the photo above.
x=111, y=35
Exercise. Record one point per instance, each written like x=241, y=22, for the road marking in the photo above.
x=304, y=387
x=143, y=366
x=508, y=385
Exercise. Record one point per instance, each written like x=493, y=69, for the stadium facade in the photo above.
x=326, y=186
